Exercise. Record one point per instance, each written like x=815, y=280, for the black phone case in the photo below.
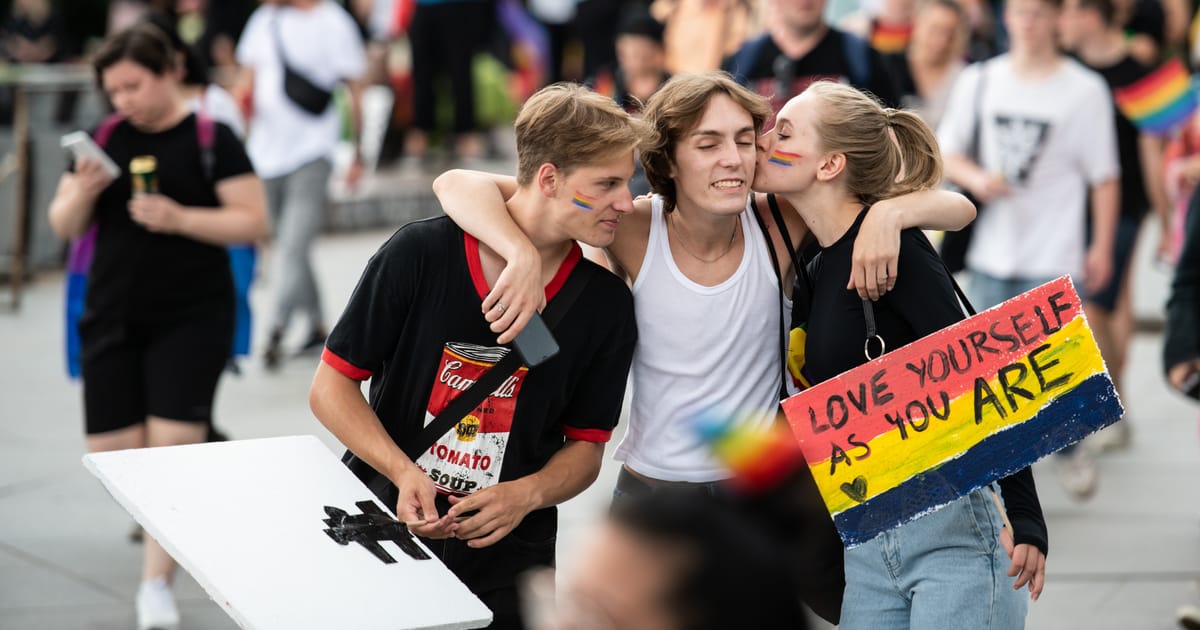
x=535, y=342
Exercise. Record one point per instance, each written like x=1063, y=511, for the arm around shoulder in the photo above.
x=927, y=209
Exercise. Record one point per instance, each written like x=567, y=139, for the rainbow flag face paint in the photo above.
x=783, y=158
x=1160, y=101
x=917, y=428
x=583, y=202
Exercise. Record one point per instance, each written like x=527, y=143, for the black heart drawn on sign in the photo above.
x=856, y=490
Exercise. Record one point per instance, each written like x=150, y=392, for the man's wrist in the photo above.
x=530, y=492
x=402, y=466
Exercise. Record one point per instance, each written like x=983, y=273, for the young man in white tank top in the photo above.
x=707, y=299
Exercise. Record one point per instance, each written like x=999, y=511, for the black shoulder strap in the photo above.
x=495, y=376
x=783, y=333
x=869, y=314
x=976, y=151
x=801, y=270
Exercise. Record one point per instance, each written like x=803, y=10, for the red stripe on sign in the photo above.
x=945, y=361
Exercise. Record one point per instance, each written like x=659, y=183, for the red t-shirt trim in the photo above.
x=587, y=435
x=475, y=266
x=343, y=366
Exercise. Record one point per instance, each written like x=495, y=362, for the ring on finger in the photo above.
x=500, y=305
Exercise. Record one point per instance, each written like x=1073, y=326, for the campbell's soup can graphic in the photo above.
x=469, y=456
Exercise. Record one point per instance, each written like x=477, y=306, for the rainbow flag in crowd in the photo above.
x=759, y=459
x=890, y=38
x=1161, y=100
x=925, y=424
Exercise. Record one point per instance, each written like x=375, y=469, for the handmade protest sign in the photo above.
x=282, y=535
x=915, y=429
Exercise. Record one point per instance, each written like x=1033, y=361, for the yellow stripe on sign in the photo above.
x=894, y=460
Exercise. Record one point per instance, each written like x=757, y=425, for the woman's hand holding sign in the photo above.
x=1028, y=565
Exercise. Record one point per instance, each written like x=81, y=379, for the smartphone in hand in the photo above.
x=1191, y=386
x=81, y=145
x=535, y=342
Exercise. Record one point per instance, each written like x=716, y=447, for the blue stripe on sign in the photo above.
x=1091, y=406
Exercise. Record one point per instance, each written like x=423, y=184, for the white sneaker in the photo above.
x=1077, y=473
x=156, y=608
x=1188, y=617
x=1116, y=437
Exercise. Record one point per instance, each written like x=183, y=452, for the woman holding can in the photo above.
x=159, y=316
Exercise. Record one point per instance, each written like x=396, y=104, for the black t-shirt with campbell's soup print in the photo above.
x=415, y=328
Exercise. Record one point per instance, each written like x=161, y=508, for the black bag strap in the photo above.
x=974, y=152
x=782, y=291
x=279, y=41
x=495, y=376
x=787, y=239
x=801, y=269
x=869, y=314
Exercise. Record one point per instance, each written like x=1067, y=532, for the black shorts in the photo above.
x=132, y=370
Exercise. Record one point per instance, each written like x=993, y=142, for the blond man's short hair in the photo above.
x=569, y=126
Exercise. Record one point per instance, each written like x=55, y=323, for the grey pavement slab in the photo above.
x=1123, y=560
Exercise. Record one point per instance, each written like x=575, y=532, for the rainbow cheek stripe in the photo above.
x=783, y=158
x=583, y=202
x=930, y=422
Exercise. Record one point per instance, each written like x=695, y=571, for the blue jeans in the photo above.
x=945, y=570
x=986, y=291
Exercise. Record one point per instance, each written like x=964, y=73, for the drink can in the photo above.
x=144, y=172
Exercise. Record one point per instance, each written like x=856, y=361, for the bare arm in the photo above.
x=243, y=93
x=1105, y=203
x=877, y=248
x=1152, y=150
x=354, y=173
x=74, y=200
x=337, y=401
x=966, y=174
x=241, y=217
x=502, y=507
x=475, y=201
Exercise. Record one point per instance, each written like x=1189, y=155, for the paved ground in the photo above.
x=1123, y=561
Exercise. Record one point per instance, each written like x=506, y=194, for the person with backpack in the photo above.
x=159, y=318
x=958, y=566
x=799, y=47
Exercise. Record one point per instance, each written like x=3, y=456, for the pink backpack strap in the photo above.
x=106, y=128
x=206, y=136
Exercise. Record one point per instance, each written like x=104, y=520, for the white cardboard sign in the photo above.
x=247, y=519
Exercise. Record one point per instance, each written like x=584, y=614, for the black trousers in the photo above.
x=444, y=38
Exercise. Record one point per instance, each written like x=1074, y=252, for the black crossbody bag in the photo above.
x=380, y=485
x=304, y=93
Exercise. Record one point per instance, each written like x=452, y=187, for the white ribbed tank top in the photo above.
x=700, y=349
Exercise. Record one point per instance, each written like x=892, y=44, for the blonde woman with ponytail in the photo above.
x=832, y=154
